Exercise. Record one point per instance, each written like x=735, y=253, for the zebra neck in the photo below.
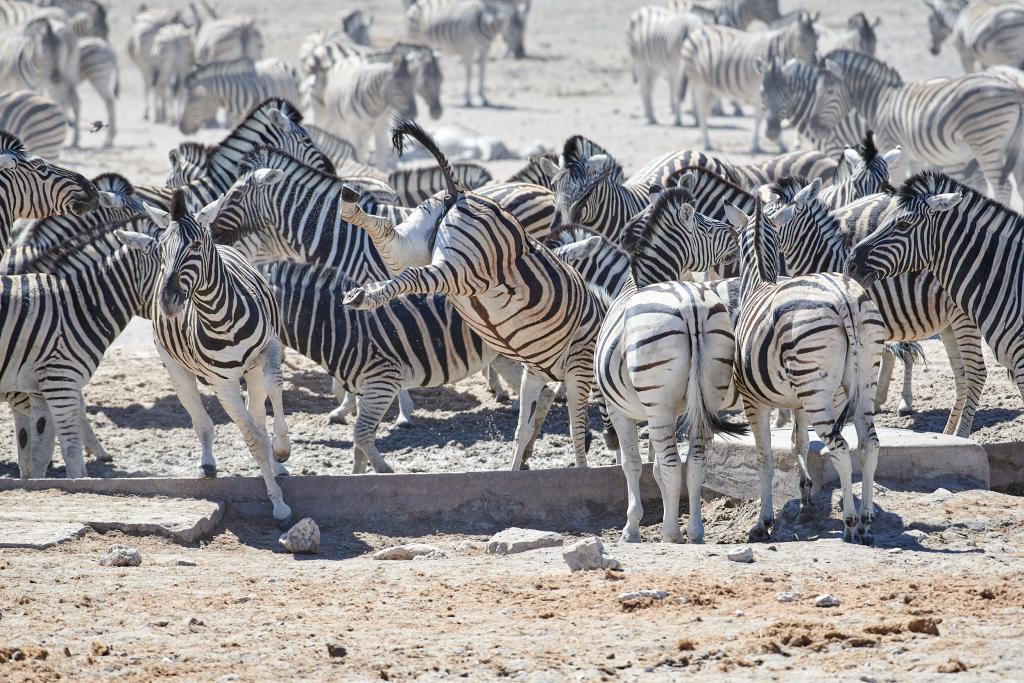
x=215, y=300
x=7, y=219
x=819, y=246
x=623, y=202
x=759, y=263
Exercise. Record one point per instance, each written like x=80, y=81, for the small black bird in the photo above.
x=97, y=126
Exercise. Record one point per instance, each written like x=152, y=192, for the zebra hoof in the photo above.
x=208, y=471
x=354, y=298
x=905, y=411
x=337, y=417
x=630, y=535
x=286, y=523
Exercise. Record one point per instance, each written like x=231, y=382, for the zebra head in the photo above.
x=248, y=213
x=780, y=93
x=37, y=188
x=401, y=89
x=201, y=103
x=863, y=170
x=905, y=238
x=187, y=251
x=189, y=162
x=581, y=184
x=670, y=240
x=426, y=71
x=759, y=247
x=865, y=29
x=791, y=205
x=515, y=30
x=942, y=16
x=357, y=27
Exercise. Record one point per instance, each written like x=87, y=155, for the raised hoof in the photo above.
x=208, y=471
x=286, y=523
x=630, y=536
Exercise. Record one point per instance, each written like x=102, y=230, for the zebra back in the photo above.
x=229, y=38
x=603, y=264
x=37, y=120
x=337, y=149
x=416, y=184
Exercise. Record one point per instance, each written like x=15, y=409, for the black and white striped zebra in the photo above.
x=413, y=341
x=735, y=13
x=189, y=162
x=522, y=300
x=337, y=149
x=984, y=33
x=666, y=349
x=228, y=39
x=140, y=50
x=173, y=56
x=36, y=120
x=88, y=18
x=417, y=183
x=976, y=119
x=655, y=38
x=97, y=64
x=724, y=62
x=31, y=187
x=797, y=343
x=461, y=27
x=275, y=122
x=236, y=87
x=859, y=35
x=969, y=243
x=200, y=286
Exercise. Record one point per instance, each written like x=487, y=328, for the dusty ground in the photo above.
x=260, y=614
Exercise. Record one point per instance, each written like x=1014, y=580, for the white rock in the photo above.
x=410, y=551
x=788, y=596
x=588, y=553
x=826, y=601
x=469, y=546
x=916, y=534
x=515, y=540
x=304, y=537
x=648, y=593
x=742, y=554
x=121, y=556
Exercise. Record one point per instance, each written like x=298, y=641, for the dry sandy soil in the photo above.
x=261, y=614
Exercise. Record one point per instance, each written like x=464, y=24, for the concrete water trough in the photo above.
x=563, y=499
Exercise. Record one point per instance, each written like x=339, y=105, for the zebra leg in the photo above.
x=819, y=409
x=62, y=401
x=75, y=104
x=702, y=101
x=577, y=388
x=481, y=68
x=509, y=371
x=273, y=385
x=347, y=403
x=230, y=396
x=41, y=436
x=801, y=445
x=781, y=418
x=529, y=397
x=417, y=280
x=184, y=383
x=378, y=395
x=467, y=62
x=645, y=79
x=110, y=104
x=544, y=402
x=696, y=472
x=21, y=410
x=92, y=443
x=884, y=378
x=760, y=426
x=405, y=409
x=662, y=434
x=968, y=343
x=256, y=406
x=907, y=392
x=867, y=449
x=494, y=384
x=632, y=468
x=756, y=147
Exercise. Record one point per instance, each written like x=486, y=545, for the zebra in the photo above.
x=190, y=161
x=31, y=187
x=735, y=13
x=413, y=341
x=984, y=34
x=236, y=87
x=666, y=348
x=949, y=123
x=36, y=120
x=199, y=284
x=140, y=49
x=797, y=343
x=968, y=242
x=357, y=27
x=864, y=171
x=724, y=62
x=514, y=35
x=88, y=18
x=798, y=91
x=522, y=301
x=913, y=306
x=97, y=64
x=273, y=122
x=655, y=38
x=229, y=39
x=416, y=184
x=859, y=35
x=461, y=27
x=337, y=149
x=173, y=59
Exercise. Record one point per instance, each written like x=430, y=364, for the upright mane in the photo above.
x=937, y=182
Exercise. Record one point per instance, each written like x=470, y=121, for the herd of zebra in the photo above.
x=689, y=289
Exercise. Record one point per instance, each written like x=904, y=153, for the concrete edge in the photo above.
x=1006, y=464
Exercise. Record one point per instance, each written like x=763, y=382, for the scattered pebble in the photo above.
x=121, y=556
x=515, y=540
x=826, y=601
x=788, y=596
x=742, y=554
x=924, y=625
x=303, y=538
x=647, y=593
x=953, y=666
x=740, y=613
x=100, y=649
x=410, y=551
x=470, y=546
x=916, y=534
x=895, y=551
x=336, y=649
x=180, y=562
x=588, y=554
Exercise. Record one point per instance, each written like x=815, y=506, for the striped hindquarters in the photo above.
x=38, y=121
x=418, y=183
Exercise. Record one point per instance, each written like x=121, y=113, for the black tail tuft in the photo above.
x=906, y=352
x=844, y=417
x=403, y=128
x=723, y=426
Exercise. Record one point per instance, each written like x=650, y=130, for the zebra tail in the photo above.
x=1013, y=157
x=403, y=128
x=701, y=416
x=851, y=374
x=906, y=352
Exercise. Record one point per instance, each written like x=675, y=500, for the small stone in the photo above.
x=121, y=556
x=194, y=624
x=915, y=534
x=788, y=596
x=953, y=666
x=303, y=538
x=742, y=554
x=336, y=649
x=410, y=551
x=740, y=613
x=685, y=645
x=588, y=554
x=242, y=599
x=100, y=649
x=161, y=622
x=515, y=540
x=939, y=495
x=895, y=551
x=647, y=593
x=470, y=546
x=924, y=625
x=826, y=601
x=180, y=562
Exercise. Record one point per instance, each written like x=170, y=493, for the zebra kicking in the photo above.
x=969, y=243
x=521, y=300
x=984, y=34
x=797, y=343
x=36, y=120
x=201, y=283
x=666, y=349
x=236, y=87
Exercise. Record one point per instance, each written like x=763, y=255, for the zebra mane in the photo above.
x=11, y=144
x=235, y=67
x=114, y=182
x=179, y=207
x=268, y=156
x=48, y=260
x=640, y=229
x=577, y=149
x=403, y=129
x=937, y=182
x=676, y=176
x=867, y=149
x=787, y=187
x=764, y=243
x=192, y=150
x=866, y=66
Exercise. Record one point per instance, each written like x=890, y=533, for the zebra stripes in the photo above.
x=201, y=286
x=189, y=162
x=655, y=38
x=723, y=62
x=735, y=13
x=97, y=64
x=666, y=349
x=521, y=300
x=36, y=120
x=229, y=39
x=140, y=49
x=797, y=344
x=173, y=60
x=984, y=34
x=415, y=185
x=971, y=245
x=335, y=148
x=236, y=87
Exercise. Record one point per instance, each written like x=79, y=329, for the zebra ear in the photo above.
x=686, y=214
x=937, y=203
x=851, y=155
x=782, y=216
x=735, y=215
x=208, y=213
x=7, y=162
x=687, y=181
x=158, y=216
x=109, y=200
x=268, y=176
x=808, y=193
x=579, y=249
x=279, y=119
x=833, y=68
x=136, y=240
x=549, y=167
x=892, y=156
x=173, y=157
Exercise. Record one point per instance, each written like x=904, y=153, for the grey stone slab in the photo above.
x=37, y=534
